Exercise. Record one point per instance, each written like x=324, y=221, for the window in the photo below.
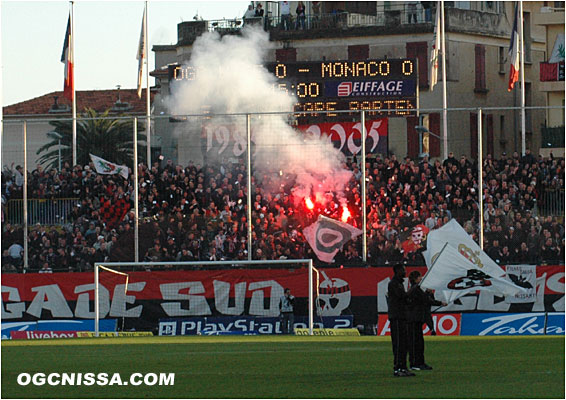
x=358, y=52
x=480, y=86
x=501, y=59
x=288, y=54
x=527, y=35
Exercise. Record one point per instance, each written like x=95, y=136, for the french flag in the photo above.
x=514, y=52
x=67, y=59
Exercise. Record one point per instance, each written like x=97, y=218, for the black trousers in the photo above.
x=399, y=341
x=416, y=344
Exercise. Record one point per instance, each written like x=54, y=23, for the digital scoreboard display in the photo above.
x=389, y=86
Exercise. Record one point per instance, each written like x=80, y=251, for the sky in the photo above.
x=106, y=41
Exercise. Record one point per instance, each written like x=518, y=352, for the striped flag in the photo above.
x=141, y=55
x=514, y=52
x=435, y=47
x=67, y=59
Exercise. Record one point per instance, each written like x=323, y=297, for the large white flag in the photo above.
x=450, y=248
x=327, y=236
x=141, y=55
x=434, y=50
x=107, y=168
x=453, y=275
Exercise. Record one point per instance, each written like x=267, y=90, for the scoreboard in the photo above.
x=388, y=85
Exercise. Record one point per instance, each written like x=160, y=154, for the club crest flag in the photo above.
x=107, y=168
x=454, y=275
x=327, y=236
x=458, y=266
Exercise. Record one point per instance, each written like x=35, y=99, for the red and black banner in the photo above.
x=170, y=294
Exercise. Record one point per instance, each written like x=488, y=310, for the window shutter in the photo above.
x=419, y=51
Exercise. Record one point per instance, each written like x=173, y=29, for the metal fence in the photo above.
x=227, y=170
x=41, y=211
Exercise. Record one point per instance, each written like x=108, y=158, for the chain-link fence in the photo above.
x=286, y=173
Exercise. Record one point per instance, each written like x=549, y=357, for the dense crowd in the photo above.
x=200, y=212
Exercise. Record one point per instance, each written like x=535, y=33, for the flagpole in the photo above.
x=436, y=257
x=72, y=44
x=480, y=174
x=364, y=200
x=521, y=38
x=148, y=100
x=444, y=83
x=136, y=201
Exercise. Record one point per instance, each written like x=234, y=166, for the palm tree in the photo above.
x=98, y=134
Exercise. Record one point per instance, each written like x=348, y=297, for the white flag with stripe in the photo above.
x=141, y=55
x=108, y=168
x=434, y=50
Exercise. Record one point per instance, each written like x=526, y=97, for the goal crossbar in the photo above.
x=108, y=267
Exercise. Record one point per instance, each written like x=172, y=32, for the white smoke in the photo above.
x=230, y=79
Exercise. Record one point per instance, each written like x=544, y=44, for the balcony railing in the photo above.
x=41, y=211
x=394, y=15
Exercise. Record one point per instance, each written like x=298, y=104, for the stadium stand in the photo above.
x=198, y=212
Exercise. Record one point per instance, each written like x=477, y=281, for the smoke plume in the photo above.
x=230, y=79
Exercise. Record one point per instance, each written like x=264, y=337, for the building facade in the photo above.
x=477, y=41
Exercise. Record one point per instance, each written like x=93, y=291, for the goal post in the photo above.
x=109, y=266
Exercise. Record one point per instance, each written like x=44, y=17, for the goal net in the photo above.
x=213, y=297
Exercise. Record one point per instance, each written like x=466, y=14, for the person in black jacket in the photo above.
x=397, y=300
x=419, y=303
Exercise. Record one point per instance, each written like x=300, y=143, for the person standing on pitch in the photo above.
x=286, y=304
x=397, y=300
x=419, y=303
x=428, y=313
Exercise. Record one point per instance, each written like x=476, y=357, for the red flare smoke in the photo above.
x=345, y=214
x=309, y=203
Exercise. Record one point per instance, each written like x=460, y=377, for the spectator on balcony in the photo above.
x=285, y=11
x=300, y=10
x=250, y=13
x=259, y=10
x=412, y=11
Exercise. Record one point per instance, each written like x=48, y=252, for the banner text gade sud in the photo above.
x=169, y=294
x=386, y=85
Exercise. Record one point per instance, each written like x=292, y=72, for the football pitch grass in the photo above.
x=291, y=367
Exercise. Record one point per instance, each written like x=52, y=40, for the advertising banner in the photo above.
x=512, y=324
x=444, y=325
x=68, y=325
x=69, y=297
x=42, y=334
x=243, y=325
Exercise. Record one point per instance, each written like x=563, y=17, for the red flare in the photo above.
x=345, y=214
x=309, y=203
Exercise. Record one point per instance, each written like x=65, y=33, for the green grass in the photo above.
x=292, y=367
